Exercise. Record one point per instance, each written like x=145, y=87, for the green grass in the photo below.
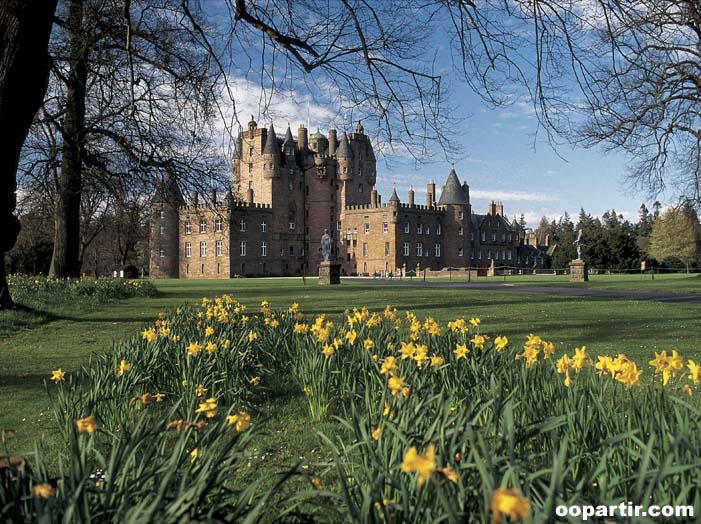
x=33, y=342
x=666, y=282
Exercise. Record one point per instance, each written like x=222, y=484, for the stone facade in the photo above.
x=285, y=192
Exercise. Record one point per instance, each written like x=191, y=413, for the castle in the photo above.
x=286, y=192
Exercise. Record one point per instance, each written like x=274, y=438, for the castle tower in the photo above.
x=457, y=221
x=164, y=231
x=431, y=194
x=271, y=155
x=410, y=196
x=345, y=159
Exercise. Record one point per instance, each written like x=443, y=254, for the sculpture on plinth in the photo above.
x=579, y=271
x=329, y=272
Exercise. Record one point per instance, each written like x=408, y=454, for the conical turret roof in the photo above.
x=452, y=193
x=289, y=141
x=394, y=197
x=168, y=191
x=271, y=145
x=344, y=150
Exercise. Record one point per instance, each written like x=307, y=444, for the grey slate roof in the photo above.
x=343, y=150
x=288, y=137
x=394, y=197
x=452, y=193
x=271, y=145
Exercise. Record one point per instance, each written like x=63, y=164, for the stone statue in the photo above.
x=326, y=245
x=579, y=243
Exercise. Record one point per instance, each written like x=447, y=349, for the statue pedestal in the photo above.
x=579, y=271
x=329, y=273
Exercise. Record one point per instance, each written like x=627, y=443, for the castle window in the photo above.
x=480, y=254
x=406, y=227
x=242, y=248
x=460, y=231
x=162, y=253
x=188, y=227
x=503, y=237
x=162, y=214
x=203, y=249
x=338, y=225
x=365, y=249
x=503, y=254
x=460, y=215
x=406, y=249
x=161, y=229
x=188, y=249
x=292, y=250
x=242, y=225
x=217, y=225
x=292, y=225
x=438, y=250
x=472, y=236
x=494, y=236
x=460, y=252
x=496, y=255
x=203, y=226
x=219, y=247
x=263, y=249
x=472, y=255
x=428, y=230
x=263, y=226
x=367, y=228
x=419, y=229
x=438, y=230
x=489, y=254
x=290, y=184
x=385, y=228
x=419, y=249
x=360, y=188
x=250, y=168
x=509, y=253
x=251, y=151
x=484, y=236
x=510, y=238
x=386, y=249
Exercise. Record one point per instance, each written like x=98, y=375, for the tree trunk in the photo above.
x=65, y=261
x=25, y=27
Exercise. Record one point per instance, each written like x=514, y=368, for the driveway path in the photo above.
x=660, y=296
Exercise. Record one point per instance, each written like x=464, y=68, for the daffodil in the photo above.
x=461, y=351
x=397, y=385
x=478, y=341
x=422, y=463
x=208, y=407
x=694, y=371
x=252, y=336
x=57, y=375
x=388, y=365
x=450, y=474
x=509, y=503
x=44, y=491
x=124, y=366
x=475, y=322
x=86, y=425
x=241, y=421
x=500, y=343
x=193, y=349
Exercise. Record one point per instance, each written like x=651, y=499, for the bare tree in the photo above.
x=644, y=95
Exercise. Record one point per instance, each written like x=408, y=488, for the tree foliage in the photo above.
x=675, y=236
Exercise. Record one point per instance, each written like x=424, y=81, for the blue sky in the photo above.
x=500, y=158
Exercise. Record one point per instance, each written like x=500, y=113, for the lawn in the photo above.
x=666, y=282
x=65, y=335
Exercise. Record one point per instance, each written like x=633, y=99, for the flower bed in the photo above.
x=440, y=422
